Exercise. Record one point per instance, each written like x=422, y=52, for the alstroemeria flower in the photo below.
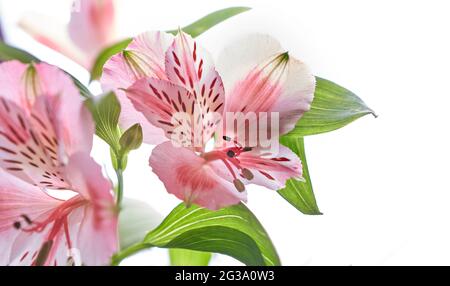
x=56, y=208
x=90, y=30
x=162, y=77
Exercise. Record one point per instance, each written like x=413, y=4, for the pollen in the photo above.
x=239, y=185
x=247, y=174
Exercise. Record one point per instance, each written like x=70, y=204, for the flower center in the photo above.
x=58, y=218
x=229, y=157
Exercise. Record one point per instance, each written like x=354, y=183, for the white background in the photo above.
x=382, y=184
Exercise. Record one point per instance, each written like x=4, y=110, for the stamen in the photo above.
x=239, y=185
x=27, y=219
x=247, y=149
x=70, y=261
x=17, y=225
x=43, y=253
x=231, y=153
x=226, y=138
x=247, y=174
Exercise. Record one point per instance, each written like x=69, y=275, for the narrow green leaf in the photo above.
x=105, y=111
x=8, y=53
x=232, y=231
x=300, y=194
x=105, y=55
x=200, y=26
x=333, y=107
x=131, y=139
x=183, y=257
x=195, y=29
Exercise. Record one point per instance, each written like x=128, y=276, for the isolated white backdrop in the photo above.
x=382, y=184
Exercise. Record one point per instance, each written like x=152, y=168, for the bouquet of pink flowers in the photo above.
x=218, y=126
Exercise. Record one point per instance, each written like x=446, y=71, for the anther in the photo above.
x=27, y=219
x=239, y=185
x=17, y=225
x=43, y=253
x=70, y=261
x=247, y=149
x=247, y=174
x=226, y=138
x=231, y=153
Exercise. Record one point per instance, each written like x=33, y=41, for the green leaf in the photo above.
x=200, y=26
x=333, y=107
x=105, y=111
x=232, y=231
x=8, y=53
x=195, y=29
x=105, y=55
x=131, y=139
x=300, y=194
x=183, y=257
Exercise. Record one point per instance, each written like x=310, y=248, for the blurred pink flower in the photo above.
x=56, y=208
x=159, y=76
x=90, y=30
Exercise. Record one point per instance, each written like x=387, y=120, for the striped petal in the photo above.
x=190, y=66
x=144, y=57
x=192, y=179
x=92, y=26
x=175, y=110
x=260, y=76
x=54, y=35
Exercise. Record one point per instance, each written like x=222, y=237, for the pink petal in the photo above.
x=54, y=35
x=144, y=57
x=272, y=170
x=28, y=146
x=19, y=199
x=175, y=110
x=260, y=77
x=92, y=28
x=24, y=84
x=97, y=238
x=190, y=66
x=43, y=126
x=191, y=179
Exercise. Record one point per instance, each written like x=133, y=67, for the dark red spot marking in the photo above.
x=155, y=91
x=218, y=107
x=177, y=72
x=38, y=120
x=213, y=83
x=165, y=123
x=5, y=105
x=14, y=169
x=12, y=161
x=24, y=256
x=194, y=54
x=267, y=175
x=177, y=61
x=282, y=159
x=200, y=69
x=7, y=150
x=9, y=138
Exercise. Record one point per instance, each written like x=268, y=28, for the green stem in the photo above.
x=119, y=174
x=117, y=258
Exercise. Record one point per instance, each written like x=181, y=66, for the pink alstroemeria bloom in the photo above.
x=159, y=76
x=56, y=208
x=90, y=30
